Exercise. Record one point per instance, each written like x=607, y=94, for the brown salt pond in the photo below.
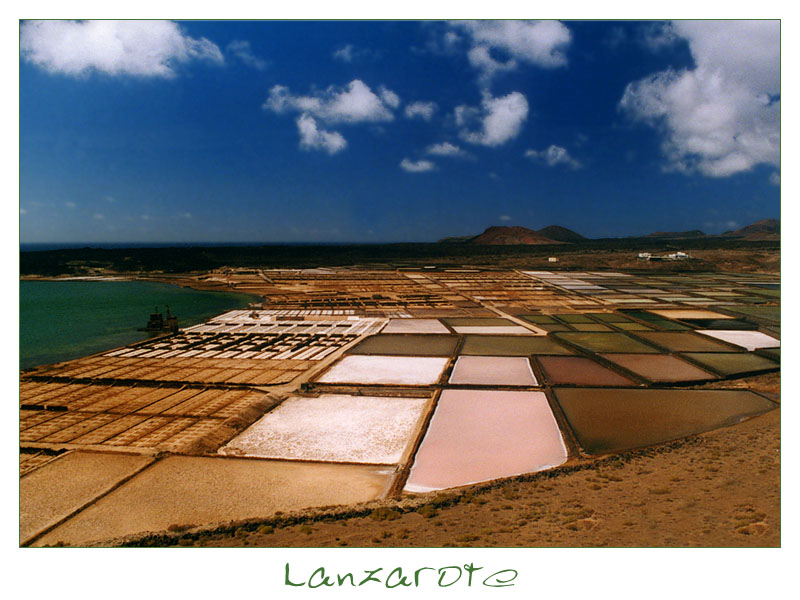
x=732, y=363
x=577, y=370
x=605, y=342
x=493, y=370
x=612, y=420
x=478, y=435
x=679, y=341
x=408, y=345
x=659, y=367
x=500, y=345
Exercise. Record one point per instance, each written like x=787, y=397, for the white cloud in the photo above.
x=241, y=49
x=314, y=138
x=553, y=156
x=500, y=119
x=423, y=110
x=540, y=43
x=139, y=48
x=389, y=97
x=349, y=53
x=480, y=58
x=657, y=36
x=419, y=166
x=356, y=103
x=98, y=216
x=345, y=53
x=447, y=149
x=22, y=211
x=775, y=178
x=70, y=204
x=723, y=116
x=504, y=218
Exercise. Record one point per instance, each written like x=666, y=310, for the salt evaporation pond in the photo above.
x=611, y=420
x=577, y=370
x=333, y=428
x=659, y=368
x=385, y=370
x=493, y=370
x=479, y=435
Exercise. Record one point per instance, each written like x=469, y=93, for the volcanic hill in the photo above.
x=501, y=235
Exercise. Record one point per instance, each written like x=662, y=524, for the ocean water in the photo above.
x=62, y=320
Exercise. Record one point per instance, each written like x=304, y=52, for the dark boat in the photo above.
x=158, y=323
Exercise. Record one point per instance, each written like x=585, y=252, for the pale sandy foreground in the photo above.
x=54, y=491
x=182, y=490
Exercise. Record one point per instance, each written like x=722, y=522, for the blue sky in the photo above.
x=386, y=131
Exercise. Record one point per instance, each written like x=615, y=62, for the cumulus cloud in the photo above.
x=504, y=217
x=553, y=156
x=352, y=104
x=539, y=43
x=447, y=149
x=498, y=120
x=419, y=166
x=138, y=48
x=723, y=116
x=241, y=49
x=314, y=138
x=420, y=110
x=355, y=103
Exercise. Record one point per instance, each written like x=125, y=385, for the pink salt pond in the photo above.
x=478, y=435
x=493, y=370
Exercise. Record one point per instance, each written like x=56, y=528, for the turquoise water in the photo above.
x=62, y=320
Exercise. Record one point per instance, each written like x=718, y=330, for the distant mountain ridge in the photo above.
x=764, y=230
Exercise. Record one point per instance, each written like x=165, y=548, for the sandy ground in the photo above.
x=719, y=489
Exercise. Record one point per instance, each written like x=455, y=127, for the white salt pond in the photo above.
x=493, y=370
x=415, y=326
x=333, y=428
x=493, y=330
x=751, y=340
x=386, y=370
